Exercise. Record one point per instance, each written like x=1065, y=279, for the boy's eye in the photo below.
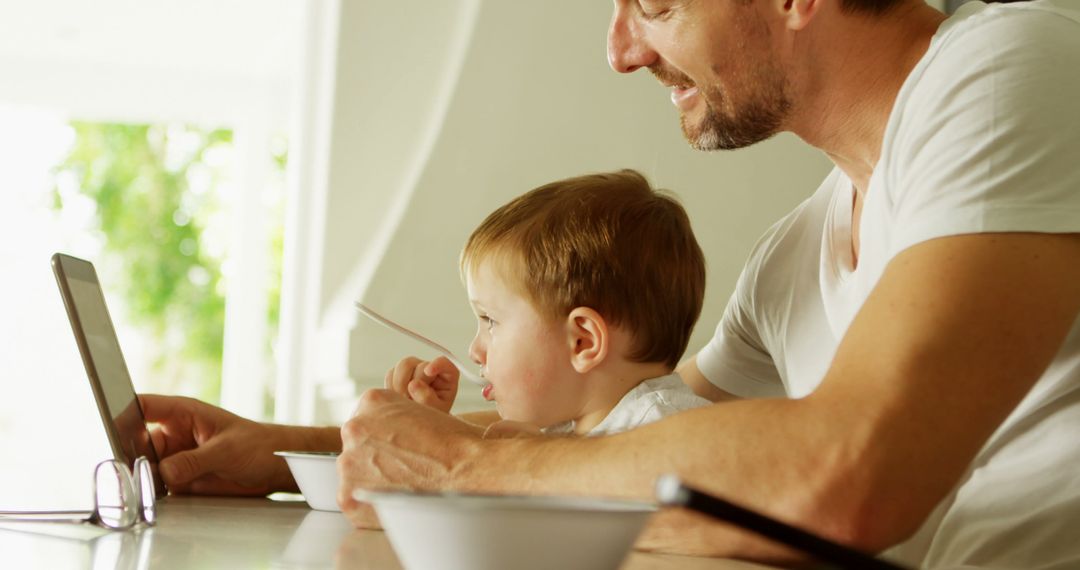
x=488, y=322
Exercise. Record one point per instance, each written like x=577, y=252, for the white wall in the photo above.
x=446, y=109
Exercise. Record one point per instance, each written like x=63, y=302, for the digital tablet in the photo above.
x=110, y=380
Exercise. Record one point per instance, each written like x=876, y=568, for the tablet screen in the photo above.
x=104, y=361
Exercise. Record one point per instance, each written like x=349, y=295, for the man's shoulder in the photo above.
x=996, y=87
x=998, y=38
x=979, y=17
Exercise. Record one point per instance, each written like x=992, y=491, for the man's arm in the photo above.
x=953, y=336
x=691, y=376
x=207, y=450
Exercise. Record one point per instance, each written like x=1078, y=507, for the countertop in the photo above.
x=218, y=532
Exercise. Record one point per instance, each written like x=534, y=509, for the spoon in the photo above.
x=465, y=372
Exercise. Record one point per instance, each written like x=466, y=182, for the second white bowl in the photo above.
x=316, y=475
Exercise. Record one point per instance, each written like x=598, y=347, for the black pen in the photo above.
x=671, y=492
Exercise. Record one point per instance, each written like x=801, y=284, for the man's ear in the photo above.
x=589, y=338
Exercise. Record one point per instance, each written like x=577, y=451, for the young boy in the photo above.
x=586, y=291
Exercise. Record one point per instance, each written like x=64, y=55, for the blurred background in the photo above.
x=241, y=171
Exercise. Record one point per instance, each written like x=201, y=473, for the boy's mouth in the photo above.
x=486, y=392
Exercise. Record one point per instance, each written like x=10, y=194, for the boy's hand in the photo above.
x=432, y=383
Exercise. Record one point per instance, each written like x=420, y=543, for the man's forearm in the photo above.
x=780, y=460
x=312, y=438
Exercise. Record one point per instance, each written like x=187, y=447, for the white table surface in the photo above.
x=216, y=532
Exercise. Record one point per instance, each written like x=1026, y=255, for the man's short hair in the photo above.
x=609, y=242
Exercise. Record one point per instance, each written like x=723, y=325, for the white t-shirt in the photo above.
x=647, y=402
x=984, y=137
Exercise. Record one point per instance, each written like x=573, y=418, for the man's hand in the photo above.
x=395, y=443
x=433, y=383
x=208, y=451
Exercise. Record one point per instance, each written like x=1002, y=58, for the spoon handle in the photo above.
x=465, y=372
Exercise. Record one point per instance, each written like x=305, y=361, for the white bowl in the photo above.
x=316, y=475
x=452, y=531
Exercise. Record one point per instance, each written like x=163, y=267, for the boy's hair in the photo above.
x=609, y=242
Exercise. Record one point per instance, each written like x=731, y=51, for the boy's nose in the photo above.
x=476, y=352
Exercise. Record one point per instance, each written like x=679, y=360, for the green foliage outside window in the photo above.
x=152, y=223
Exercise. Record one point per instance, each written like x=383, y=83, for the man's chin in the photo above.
x=711, y=138
x=711, y=131
x=700, y=138
x=704, y=141
x=700, y=133
x=696, y=127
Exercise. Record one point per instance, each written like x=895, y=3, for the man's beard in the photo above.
x=759, y=119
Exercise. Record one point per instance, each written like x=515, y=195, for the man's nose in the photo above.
x=627, y=50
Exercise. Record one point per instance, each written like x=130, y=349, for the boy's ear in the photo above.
x=589, y=339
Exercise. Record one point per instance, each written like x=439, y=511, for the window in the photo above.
x=155, y=208
x=162, y=160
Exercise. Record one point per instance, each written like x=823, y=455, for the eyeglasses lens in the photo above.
x=144, y=481
x=113, y=495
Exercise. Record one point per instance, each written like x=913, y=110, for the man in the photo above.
x=900, y=362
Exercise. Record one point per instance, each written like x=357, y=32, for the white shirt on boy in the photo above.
x=649, y=401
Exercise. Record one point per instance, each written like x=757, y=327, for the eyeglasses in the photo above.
x=122, y=500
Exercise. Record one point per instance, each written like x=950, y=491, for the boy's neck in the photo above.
x=609, y=384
